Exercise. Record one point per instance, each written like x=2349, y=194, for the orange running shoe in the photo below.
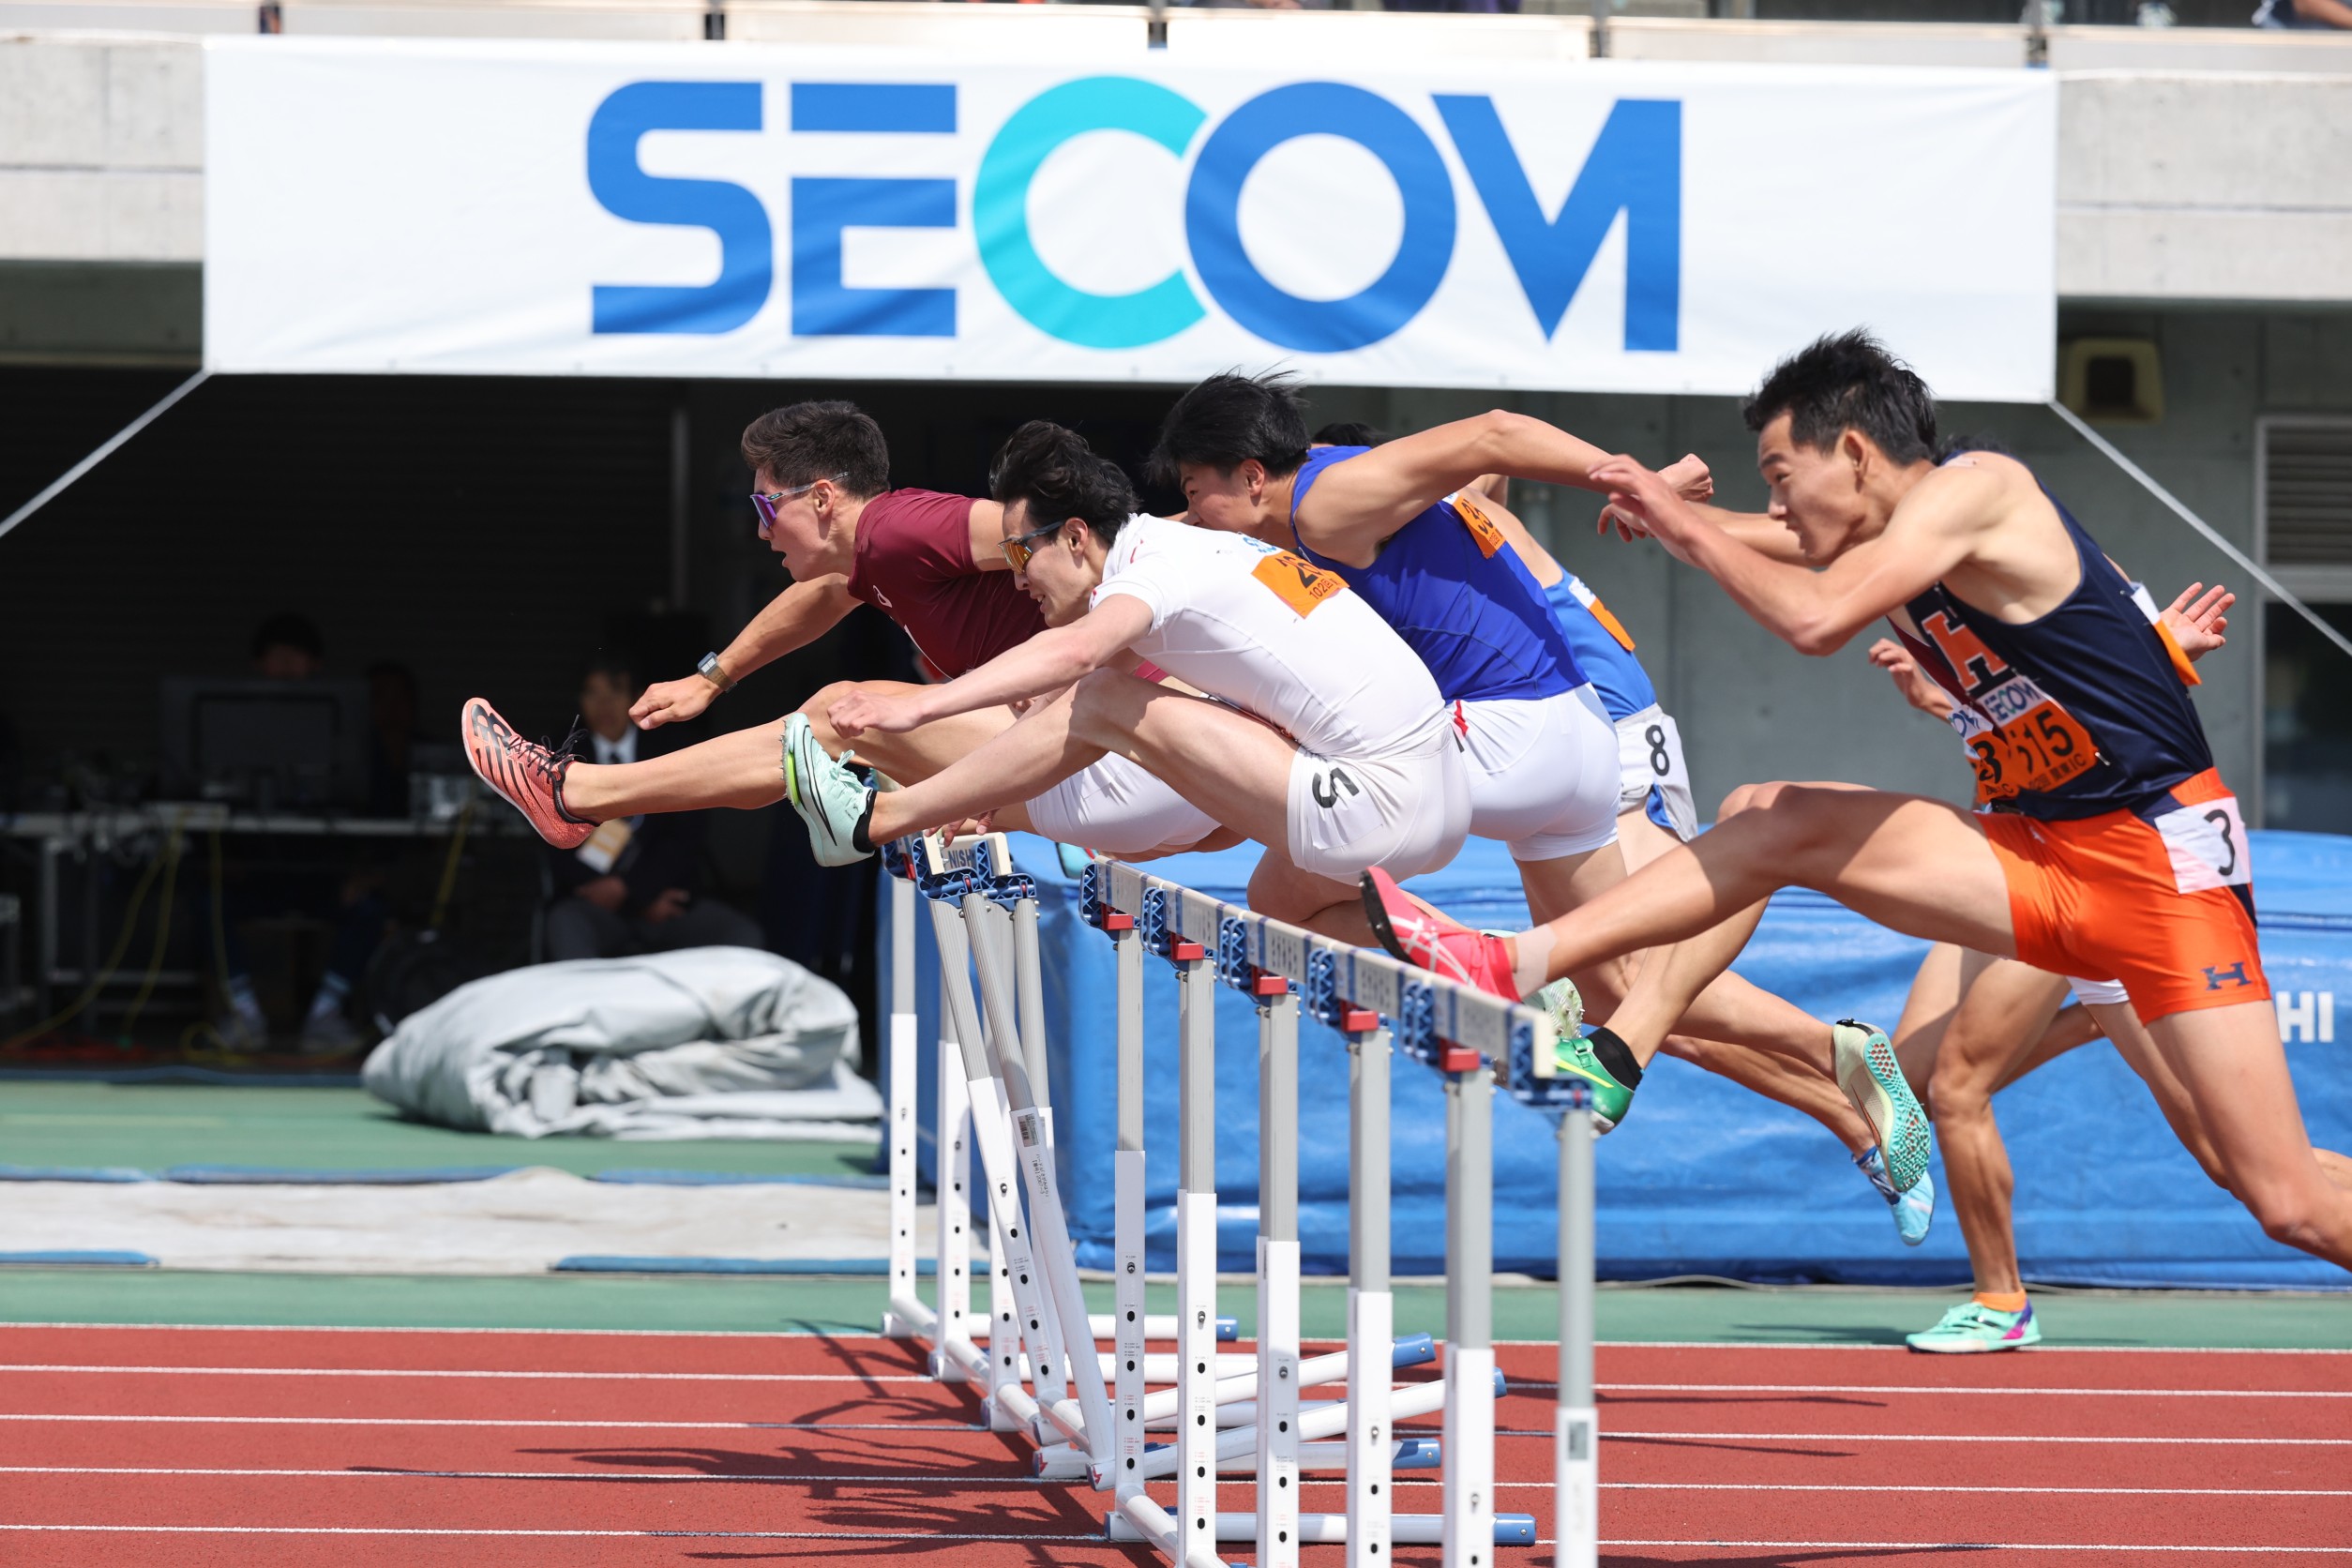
x=530, y=776
x=1433, y=942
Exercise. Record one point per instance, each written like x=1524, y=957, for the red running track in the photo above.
x=414, y=1449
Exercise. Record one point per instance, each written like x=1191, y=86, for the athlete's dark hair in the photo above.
x=289, y=630
x=1228, y=419
x=1848, y=381
x=1051, y=468
x=1348, y=433
x=802, y=442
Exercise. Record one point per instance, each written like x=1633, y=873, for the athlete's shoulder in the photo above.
x=1969, y=493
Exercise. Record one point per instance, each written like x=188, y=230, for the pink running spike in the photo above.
x=1433, y=942
x=529, y=776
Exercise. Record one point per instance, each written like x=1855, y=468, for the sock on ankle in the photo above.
x=2003, y=1301
x=330, y=997
x=1531, y=960
x=1614, y=1054
x=858, y=839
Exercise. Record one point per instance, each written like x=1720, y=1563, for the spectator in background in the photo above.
x=2304, y=13
x=288, y=647
x=391, y=736
x=633, y=887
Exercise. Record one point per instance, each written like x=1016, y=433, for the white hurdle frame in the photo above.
x=1230, y=1423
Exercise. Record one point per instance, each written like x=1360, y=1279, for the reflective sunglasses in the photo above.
x=765, y=505
x=1018, y=552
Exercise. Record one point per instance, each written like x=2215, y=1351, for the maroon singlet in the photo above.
x=915, y=564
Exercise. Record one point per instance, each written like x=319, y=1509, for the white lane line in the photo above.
x=841, y=1478
x=1518, y=1385
x=560, y=1426
x=1070, y=1540
x=626, y=1534
x=441, y=1372
x=1977, y=1546
x=1940, y=1437
x=965, y=1426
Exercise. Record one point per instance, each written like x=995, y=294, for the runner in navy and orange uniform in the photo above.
x=2113, y=846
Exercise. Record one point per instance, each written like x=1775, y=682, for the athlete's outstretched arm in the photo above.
x=1931, y=531
x=1046, y=662
x=1366, y=498
x=793, y=619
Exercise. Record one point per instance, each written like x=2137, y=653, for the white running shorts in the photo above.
x=2094, y=993
x=1406, y=811
x=1543, y=773
x=1652, y=775
x=1114, y=808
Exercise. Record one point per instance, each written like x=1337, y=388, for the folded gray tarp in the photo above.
x=710, y=1042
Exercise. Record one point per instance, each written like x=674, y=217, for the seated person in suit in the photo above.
x=632, y=887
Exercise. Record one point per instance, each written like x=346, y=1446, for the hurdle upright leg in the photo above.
x=1371, y=1307
x=1278, y=1403
x=1196, y=1259
x=1469, y=1536
x=906, y=1317
x=1576, y=1451
x=1127, y=1176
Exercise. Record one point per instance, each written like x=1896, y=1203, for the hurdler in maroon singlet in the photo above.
x=915, y=564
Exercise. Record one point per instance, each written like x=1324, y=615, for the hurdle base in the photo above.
x=1331, y=1529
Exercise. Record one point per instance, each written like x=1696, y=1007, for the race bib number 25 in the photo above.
x=1295, y=582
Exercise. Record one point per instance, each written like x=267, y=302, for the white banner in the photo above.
x=736, y=210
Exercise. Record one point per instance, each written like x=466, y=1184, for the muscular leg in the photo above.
x=1981, y=1013
x=2234, y=1068
x=1915, y=865
x=2138, y=1050
x=1808, y=1089
x=743, y=768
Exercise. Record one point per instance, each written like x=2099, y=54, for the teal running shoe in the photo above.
x=831, y=799
x=1914, y=1206
x=1073, y=860
x=1872, y=1081
x=1972, y=1328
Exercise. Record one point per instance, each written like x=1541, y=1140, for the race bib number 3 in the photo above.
x=2022, y=740
x=1295, y=582
x=2208, y=845
x=1481, y=526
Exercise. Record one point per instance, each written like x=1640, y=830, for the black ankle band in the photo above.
x=1614, y=1054
x=858, y=840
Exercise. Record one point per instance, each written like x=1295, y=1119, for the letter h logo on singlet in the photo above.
x=1978, y=666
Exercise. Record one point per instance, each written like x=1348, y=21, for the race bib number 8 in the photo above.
x=1295, y=582
x=2208, y=845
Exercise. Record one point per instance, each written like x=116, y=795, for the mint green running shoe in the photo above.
x=1872, y=1081
x=1972, y=1328
x=830, y=798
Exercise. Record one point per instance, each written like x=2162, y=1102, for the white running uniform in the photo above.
x=1379, y=777
x=1649, y=758
x=1114, y=808
x=1543, y=773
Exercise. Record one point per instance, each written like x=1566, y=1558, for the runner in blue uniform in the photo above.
x=1393, y=522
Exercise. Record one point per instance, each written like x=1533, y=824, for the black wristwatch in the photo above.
x=709, y=670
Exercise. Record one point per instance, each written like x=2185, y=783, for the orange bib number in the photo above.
x=1481, y=526
x=1295, y=582
x=2022, y=740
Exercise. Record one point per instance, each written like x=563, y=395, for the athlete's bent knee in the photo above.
x=2286, y=1213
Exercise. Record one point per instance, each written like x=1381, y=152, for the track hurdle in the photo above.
x=1255, y=1423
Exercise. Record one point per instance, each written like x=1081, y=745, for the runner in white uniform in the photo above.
x=1318, y=732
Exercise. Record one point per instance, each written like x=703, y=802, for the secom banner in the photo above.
x=730, y=210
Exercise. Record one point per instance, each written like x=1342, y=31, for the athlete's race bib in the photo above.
x=1296, y=583
x=1482, y=527
x=2208, y=845
x=2019, y=738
